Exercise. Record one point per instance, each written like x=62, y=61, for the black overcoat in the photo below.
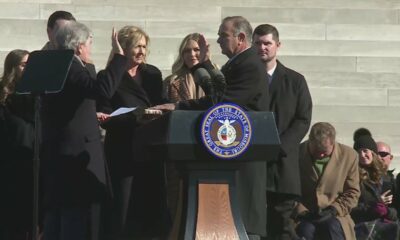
x=73, y=166
x=291, y=103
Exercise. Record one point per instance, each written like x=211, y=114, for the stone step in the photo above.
x=339, y=96
x=11, y=10
x=362, y=114
x=166, y=12
x=378, y=64
x=387, y=32
x=319, y=63
x=295, y=47
x=364, y=48
x=342, y=64
x=204, y=12
x=314, y=15
x=338, y=4
x=351, y=79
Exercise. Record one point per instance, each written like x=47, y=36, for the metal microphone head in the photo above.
x=219, y=81
x=203, y=78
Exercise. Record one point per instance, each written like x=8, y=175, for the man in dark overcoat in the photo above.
x=290, y=101
x=73, y=168
x=245, y=85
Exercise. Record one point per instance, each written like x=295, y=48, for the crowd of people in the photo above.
x=94, y=189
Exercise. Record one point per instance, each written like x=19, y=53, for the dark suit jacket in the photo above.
x=246, y=86
x=291, y=103
x=119, y=135
x=73, y=166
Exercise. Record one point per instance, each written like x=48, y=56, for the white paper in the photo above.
x=122, y=110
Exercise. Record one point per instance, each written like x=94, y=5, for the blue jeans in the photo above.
x=330, y=229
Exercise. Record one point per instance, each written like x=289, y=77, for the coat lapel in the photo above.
x=308, y=167
x=277, y=77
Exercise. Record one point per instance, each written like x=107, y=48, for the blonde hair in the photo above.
x=179, y=67
x=129, y=36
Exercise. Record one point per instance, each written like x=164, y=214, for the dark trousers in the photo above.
x=66, y=224
x=329, y=230
x=74, y=223
x=280, y=225
x=122, y=196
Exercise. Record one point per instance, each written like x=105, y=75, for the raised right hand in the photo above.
x=204, y=49
x=116, y=47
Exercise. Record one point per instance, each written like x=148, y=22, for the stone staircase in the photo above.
x=349, y=50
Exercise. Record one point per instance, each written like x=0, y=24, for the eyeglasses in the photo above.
x=383, y=154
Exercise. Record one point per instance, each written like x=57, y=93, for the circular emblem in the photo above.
x=226, y=130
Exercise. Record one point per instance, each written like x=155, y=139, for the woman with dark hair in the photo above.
x=16, y=149
x=14, y=64
x=372, y=216
x=138, y=207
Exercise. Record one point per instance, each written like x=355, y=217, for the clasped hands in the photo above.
x=317, y=217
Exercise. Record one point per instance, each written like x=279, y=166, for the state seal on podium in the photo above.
x=226, y=130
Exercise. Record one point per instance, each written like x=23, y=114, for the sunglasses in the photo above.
x=383, y=154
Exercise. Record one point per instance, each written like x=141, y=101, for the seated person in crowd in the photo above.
x=329, y=184
x=372, y=205
x=386, y=156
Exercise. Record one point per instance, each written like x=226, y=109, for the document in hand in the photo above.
x=122, y=110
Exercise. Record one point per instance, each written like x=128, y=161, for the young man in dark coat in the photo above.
x=291, y=103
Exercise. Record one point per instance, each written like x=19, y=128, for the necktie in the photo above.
x=269, y=77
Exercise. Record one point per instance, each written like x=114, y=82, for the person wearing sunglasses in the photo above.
x=386, y=156
x=385, y=153
x=373, y=206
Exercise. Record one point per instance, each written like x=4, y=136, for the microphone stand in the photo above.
x=36, y=168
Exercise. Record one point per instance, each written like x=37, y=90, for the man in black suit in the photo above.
x=56, y=20
x=246, y=86
x=73, y=167
x=291, y=103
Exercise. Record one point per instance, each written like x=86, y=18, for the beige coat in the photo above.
x=338, y=185
x=182, y=88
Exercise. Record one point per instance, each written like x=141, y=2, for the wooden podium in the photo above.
x=208, y=207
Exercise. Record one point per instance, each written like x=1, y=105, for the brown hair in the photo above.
x=11, y=73
x=374, y=171
x=320, y=132
x=265, y=29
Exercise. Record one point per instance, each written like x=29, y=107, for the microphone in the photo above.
x=219, y=84
x=203, y=78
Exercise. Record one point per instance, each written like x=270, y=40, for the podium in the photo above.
x=45, y=73
x=209, y=206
